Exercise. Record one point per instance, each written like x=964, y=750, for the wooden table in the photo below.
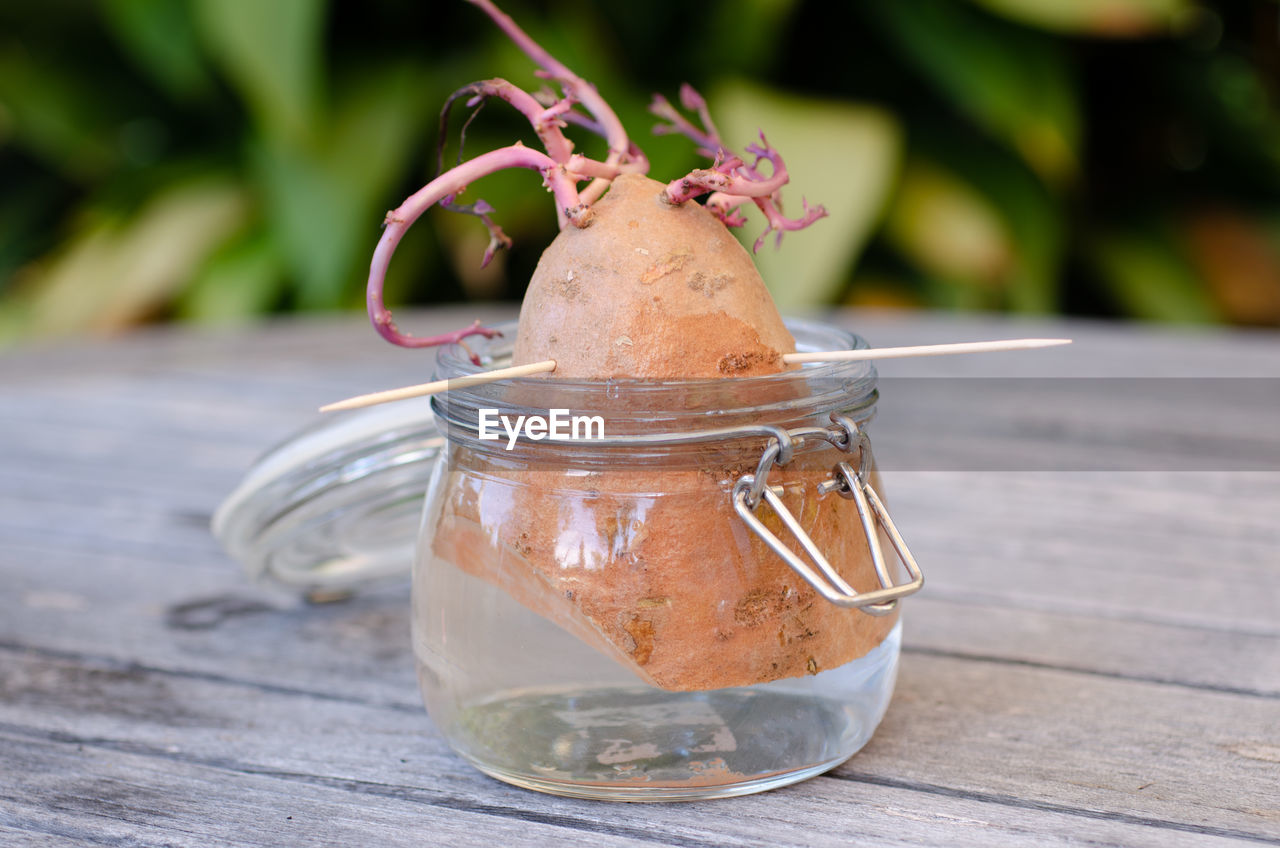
x=1095, y=658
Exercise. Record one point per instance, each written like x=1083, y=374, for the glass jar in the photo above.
x=688, y=601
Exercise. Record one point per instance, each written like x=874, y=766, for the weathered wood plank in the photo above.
x=1165, y=548
x=1060, y=737
x=12, y=837
x=1012, y=559
x=120, y=588
x=102, y=792
x=963, y=751
x=206, y=622
x=1178, y=655
x=227, y=804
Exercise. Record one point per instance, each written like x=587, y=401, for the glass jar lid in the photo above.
x=337, y=505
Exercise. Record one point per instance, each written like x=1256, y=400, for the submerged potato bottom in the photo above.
x=529, y=704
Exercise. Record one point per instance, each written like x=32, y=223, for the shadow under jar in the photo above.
x=697, y=604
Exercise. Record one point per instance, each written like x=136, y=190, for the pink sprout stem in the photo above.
x=779, y=223
x=691, y=99
x=447, y=186
x=733, y=176
x=730, y=181
x=724, y=207
x=708, y=141
x=578, y=89
x=544, y=119
x=740, y=183
x=634, y=163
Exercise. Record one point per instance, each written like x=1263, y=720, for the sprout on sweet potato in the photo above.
x=730, y=181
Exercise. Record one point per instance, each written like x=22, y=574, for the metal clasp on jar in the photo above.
x=751, y=490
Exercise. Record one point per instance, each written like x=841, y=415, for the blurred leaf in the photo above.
x=1238, y=110
x=109, y=107
x=26, y=207
x=1031, y=214
x=271, y=50
x=839, y=155
x=161, y=37
x=327, y=202
x=975, y=216
x=1239, y=258
x=464, y=243
x=1120, y=18
x=881, y=291
x=1015, y=84
x=54, y=116
x=747, y=35
x=376, y=120
x=308, y=207
x=1151, y=279
x=949, y=229
x=113, y=273
x=243, y=278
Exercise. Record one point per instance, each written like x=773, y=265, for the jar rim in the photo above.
x=659, y=412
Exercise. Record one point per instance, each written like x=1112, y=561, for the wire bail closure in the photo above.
x=853, y=484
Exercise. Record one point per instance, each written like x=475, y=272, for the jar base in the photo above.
x=648, y=793
x=638, y=743
x=644, y=744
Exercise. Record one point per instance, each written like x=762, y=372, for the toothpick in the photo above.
x=549, y=365
x=442, y=385
x=919, y=350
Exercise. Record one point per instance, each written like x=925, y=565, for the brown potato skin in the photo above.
x=650, y=290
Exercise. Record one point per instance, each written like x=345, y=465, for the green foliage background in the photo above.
x=212, y=160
